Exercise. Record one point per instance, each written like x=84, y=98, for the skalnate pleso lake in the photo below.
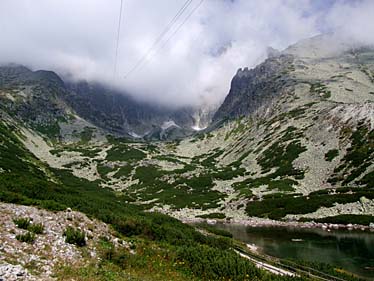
x=351, y=250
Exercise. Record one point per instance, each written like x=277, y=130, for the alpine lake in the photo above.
x=353, y=251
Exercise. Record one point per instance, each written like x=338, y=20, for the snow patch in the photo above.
x=167, y=124
x=135, y=135
x=197, y=128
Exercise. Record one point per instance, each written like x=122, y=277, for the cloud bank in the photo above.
x=78, y=38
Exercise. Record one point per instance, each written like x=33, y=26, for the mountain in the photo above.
x=300, y=127
x=297, y=126
x=254, y=88
x=283, y=71
x=292, y=144
x=49, y=104
x=121, y=114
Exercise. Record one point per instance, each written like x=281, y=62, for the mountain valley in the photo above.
x=293, y=142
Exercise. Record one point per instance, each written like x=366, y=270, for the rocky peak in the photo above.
x=252, y=88
x=272, y=53
x=322, y=61
x=242, y=72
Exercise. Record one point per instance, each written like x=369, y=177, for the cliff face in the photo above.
x=119, y=113
x=254, y=88
x=313, y=60
x=47, y=103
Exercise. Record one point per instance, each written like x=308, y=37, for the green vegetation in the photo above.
x=25, y=223
x=213, y=216
x=368, y=180
x=103, y=170
x=278, y=207
x=83, y=150
x=123, y=171
x=179, y=196
x=149, y=262
x=28, y=237
x=359, y=156
x=331, y=154
x=23, y=182
x=240, y=126
x=162, y=244
x=86, y=135
x=321, y=267
x=22, y=223
x=281, y=185
x=207, y=160
x=199, y=182
x=169, y=158
x=192, y=191
x=75, y=236
x=347, y=219
x=297, y=112
x=228, y=172
x=124, y=152
x=321, y=89
x=281, y=154
x=279, y=157
x=178, y=246
x=147, y=174
x=36, y=228
x=215, y=230
x=203, y=266
x=51, y=130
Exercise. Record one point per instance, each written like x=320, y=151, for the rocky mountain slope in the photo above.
x=306, y=136
x=78, y=230
x=254, y=88
x=50, y=251
x=298, y=127
x=61, y=109
x=292, y=142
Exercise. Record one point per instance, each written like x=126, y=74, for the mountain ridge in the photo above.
x=108, y=109
x=294, y=127
x=292, y=145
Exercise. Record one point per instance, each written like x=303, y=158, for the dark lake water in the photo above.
x=352, y=251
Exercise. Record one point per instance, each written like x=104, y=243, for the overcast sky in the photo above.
x=195, y=66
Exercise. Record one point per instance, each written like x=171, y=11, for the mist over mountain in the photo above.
x=47, y=99
x=194, y=67
x=163, y=169
x=253, y=89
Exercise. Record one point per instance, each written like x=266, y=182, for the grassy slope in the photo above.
x=191, y=185
x=167, y=247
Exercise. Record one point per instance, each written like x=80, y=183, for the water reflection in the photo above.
x=353, y=251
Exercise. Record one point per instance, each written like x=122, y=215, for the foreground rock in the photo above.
x=49, y=252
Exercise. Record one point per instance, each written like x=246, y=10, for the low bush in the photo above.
x=331, y=154
x=346, y=219
x=28, y=237
x=75, y=236
x=22, y=223
x=25, y=223
x=36, y=228
x=216, y=230
x=212, y=216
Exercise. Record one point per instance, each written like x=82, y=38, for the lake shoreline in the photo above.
x=257, y=222
x=350, y=250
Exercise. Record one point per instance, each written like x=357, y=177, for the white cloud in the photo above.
x=354, y=20
x=78, y=36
